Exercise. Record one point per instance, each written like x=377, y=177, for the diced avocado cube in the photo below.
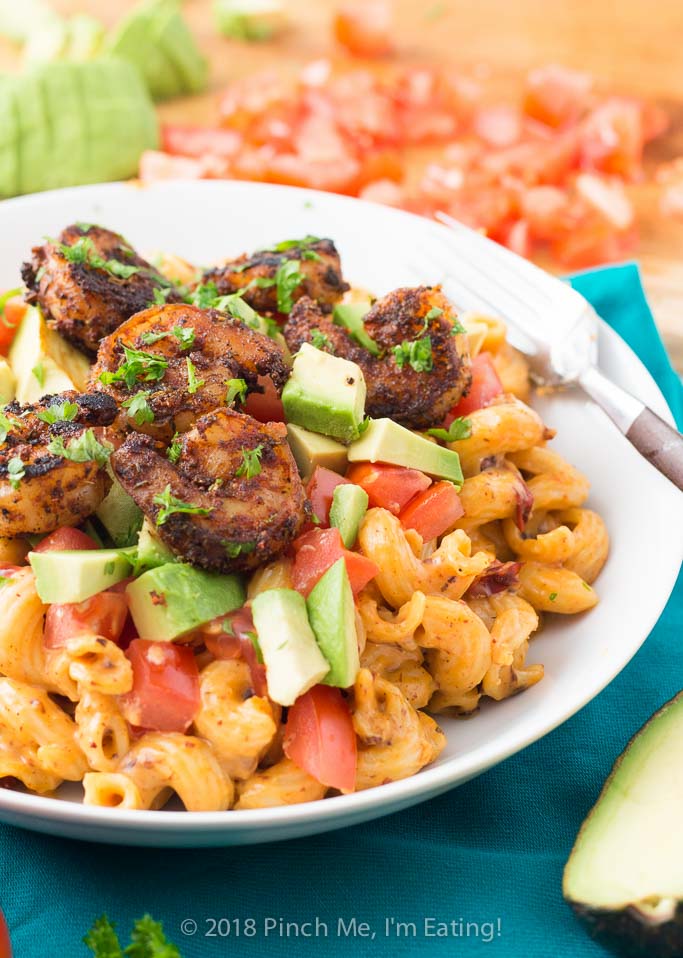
x=43, y=362
x=332, y=614
x=293, y=660
x=310, y=449
x=349, y=505
x=152, y=552
x=75, y=575
x=175, y=598
x=8, y=383
x=350, y=316
x=385, y=441
x=120, y=516
x=325, y=394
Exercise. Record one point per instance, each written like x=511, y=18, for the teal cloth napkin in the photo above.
x=491, y=851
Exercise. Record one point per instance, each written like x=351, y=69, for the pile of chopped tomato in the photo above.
x=320, y=738
x=547, y=172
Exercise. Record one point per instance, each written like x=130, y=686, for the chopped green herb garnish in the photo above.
x=350, y=316
x=417, y=354
x=138, y=366
x=150, y=338
x=321, y=341
x=216, y=484
x=433, y=313
x=251, y=462
x=253, y=638
x=287, y=278
x=147, y=940
x=237, y=391
x=84, y=448
x=457, y=328
x=193, y=383
x=285, y=245
x=175, y=449
x=139, y=408
x=159, y=297
x=552, y=596
x=314, y=519
x=39, y=372
x=170, y=506
x=102, y=940
x=83, y=251
x=5, y=298
x=6, y=425
x=60, y=412
x=15, y=471
x=235, y=549
x=364, y=425
x=204, y=295
x=460, y=428
x=185, y=335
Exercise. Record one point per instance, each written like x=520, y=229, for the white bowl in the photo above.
x=205, y=221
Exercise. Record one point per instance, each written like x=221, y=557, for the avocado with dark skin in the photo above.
x=624, y=877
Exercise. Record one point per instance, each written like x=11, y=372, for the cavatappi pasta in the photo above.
x=443, y=626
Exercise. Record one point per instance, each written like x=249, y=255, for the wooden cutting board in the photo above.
x=632, y=46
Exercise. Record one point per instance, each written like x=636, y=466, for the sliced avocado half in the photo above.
x=624, y=877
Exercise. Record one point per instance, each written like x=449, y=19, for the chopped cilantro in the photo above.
x=287, y=278
x=235, y=549
x=59, y=412
x=170, y=506
x=139, y=408
x=15, y=471
x=237, y=391
x=185, y=335
x=433, y=313
x=6, y=425
x=457, y=328
x=175, y=449
x=459, y=429
x=204, y=295
x=251, y=462
x=321, y=341
x=102, y=940
x=150, y=338
x=83, y=251
x=138, y=366
x=39, y=372
x=417, y=354
x=285, y=245
x=552, y=596
x=84, y=448
x=193, y=383
x=159, y=296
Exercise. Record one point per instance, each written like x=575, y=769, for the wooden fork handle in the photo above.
x=659, y=443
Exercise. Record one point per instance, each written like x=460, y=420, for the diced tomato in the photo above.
x=165, y=693
x=386, y=192
x=485, y=386
x=155, y=165
x=389, y=487
x=364, y=29
x=103, y=614
x=607, y=196
x=5, y=944
x=433, y=511
x=498, y=126
x=338, y=175
x=545, y=210
x=383, y=165
x=11, y=316
x=320, y=738
x=612, y=138
x=556, y=95
x=266, y=406
x=197, y=141
x=516, y=236
x=230, y=637
x=64, y=539
x=320, y=490
x=318, y=550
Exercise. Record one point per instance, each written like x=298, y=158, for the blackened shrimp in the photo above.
x=89, y=281
x=52, y=462
x=422, y=367
x=168, y=365
x=232, y=499
x=275, y=279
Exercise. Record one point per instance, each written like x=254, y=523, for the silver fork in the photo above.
x=552, y=324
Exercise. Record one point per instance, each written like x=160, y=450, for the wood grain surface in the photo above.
x=633, y=46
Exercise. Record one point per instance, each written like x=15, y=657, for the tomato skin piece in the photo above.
x=165, y=694
x=5, y=943
x=319, y=549
x=555, y=95
x=320, y=738
x=103, y=614
x=10, y=318
x=197, y=141
x=388, y=487
x=364, y=29
x=485, y=387
x=320, y=490
x=239, y=645
x=64, y=539
x=266, y=406
x=433, y=511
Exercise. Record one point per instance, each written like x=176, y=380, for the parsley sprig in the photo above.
x=193, y=384
x=139, y=408
x=170, y=506
x=184, y=334
x=59, y=412
x=147, y=940
x=15, y=471
x=7, y=424
x=237, y=391
x=460, y=428
x=251, y=462
x=138, y=366
x=84, y=448
x=321, y=341
x=416, y=353
x=175, y=449
x=83, y=251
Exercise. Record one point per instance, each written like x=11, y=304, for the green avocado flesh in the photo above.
x=65, y=124
x=625, y=872
x=325, y=394
x=332, y=614
x=175, y=598
x=75, y=575
x=385, y=441
x=120, y=516
x=349, y=505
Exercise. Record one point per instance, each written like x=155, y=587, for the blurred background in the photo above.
x=555, y=127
